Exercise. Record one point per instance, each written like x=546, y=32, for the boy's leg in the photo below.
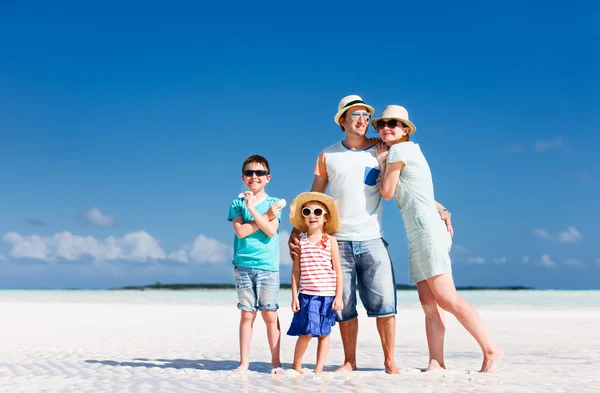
x=267, y=288
x=299, y=351
x=322, y=350
x=244, y=282
x=377, y=290
x=347, y=317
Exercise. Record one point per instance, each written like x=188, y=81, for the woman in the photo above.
x=406, y=177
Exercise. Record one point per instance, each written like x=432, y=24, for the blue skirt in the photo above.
x=315, y=318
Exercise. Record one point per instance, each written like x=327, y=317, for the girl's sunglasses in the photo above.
x=318, y=212
x=259, y=173
x=390, y=123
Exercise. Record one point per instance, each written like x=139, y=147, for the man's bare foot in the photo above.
x=298, y=368
x=434, y=365
x=277, y=369
x=241, y=369
x=391, y=369
x=491, y=360
x=347, y=367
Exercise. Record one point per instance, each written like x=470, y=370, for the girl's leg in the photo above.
x=443, y=289
x=301, y=345
x=273, y=336
x=246, y=323
x=322, y=350
x=435, y=326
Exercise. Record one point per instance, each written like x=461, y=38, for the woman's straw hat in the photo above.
x=395, y=112
x=297, y=220
x=347, y=103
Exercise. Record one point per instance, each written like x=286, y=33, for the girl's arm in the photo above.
x=390, y=174
x=338, y=302
x=295, y=283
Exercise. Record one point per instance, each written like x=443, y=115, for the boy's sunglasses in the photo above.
x=318, y=212
x=390, y=123
x=251, y=172
x=355, y=115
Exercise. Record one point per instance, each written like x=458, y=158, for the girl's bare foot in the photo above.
x=434, y=365
x=347, y=367
x=491, y=360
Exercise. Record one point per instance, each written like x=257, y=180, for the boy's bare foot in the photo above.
x=491, y=360
x=434, y=365
x=347, y=367
x=391, y=369
x=241, y=369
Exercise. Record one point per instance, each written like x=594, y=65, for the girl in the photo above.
x=316, y=275
x=406, y=176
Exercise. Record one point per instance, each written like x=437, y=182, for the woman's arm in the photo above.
x=390, y=174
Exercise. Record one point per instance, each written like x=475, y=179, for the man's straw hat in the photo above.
x=347, y=103
x=395, y=112
x=297, y=220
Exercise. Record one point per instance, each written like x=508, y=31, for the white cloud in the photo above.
x=137, y=246
x=96, y=217
x=205, y=249
x=500, y=260
x=525, y=260
x=3, y=258
x=477, y=260
x=570, y=235
x=548, y=262
x=554, y=143
x=572, y=262
x=284, y=251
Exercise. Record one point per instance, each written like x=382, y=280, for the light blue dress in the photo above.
x=429, y=241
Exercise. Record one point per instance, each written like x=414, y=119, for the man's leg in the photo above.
x=377, y=289
x=347, y=317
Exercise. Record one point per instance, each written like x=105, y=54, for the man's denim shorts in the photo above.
x=368, y=265
x=257, y=290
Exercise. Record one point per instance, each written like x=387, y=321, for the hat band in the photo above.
x=353, y=103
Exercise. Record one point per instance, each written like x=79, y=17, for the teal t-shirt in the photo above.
x=256, y=251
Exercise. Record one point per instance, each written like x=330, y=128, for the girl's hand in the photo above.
x=338, y=303
x=295, y=305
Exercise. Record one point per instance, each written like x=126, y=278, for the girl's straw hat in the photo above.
x=347, y=103
x=395, y=112
x=297, y=220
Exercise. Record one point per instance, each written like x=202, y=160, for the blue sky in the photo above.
x=123, y=129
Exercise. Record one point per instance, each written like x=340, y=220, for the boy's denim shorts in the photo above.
x=257, y=290
x=367, y=264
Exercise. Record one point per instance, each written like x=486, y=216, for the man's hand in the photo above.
x=295, y=305
x=445, y=216
x=294, y=244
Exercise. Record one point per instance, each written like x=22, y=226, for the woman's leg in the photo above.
x=442, y=287
x=301, y=345
x=435, y=326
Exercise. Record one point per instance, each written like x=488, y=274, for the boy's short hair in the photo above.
x=256, y=159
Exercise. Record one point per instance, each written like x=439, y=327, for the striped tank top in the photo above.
x=317, y=276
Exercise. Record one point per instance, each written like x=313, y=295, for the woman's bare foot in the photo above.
x=434, y=365
x=347, y=367
x=391, y=369
x=491, y=360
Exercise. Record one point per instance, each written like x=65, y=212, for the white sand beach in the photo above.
x=143, y=343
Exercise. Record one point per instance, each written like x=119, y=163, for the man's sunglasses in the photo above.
x=390, y=123
x=355, y=115
x=318, y=212
x=252, y=172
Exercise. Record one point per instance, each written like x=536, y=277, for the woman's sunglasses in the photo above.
x=318, y=212
x=390, y=123
x=251, y=172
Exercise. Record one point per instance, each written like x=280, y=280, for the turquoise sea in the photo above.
x=479, y=298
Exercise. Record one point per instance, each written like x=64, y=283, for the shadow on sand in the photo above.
x=204, y=364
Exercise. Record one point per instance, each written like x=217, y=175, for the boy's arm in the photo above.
x=269, y=227
x=337, y=266
x=243, y=229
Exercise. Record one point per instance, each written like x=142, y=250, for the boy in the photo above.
x=255, y=217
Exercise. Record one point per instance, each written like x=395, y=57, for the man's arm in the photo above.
x=319, y=184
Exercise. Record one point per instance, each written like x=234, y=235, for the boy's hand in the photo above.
x=295, y=305
x=338, y=303
x=294, y=244
x=249, y=198
x=274, y=211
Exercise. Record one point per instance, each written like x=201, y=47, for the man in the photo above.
x=351, y=170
